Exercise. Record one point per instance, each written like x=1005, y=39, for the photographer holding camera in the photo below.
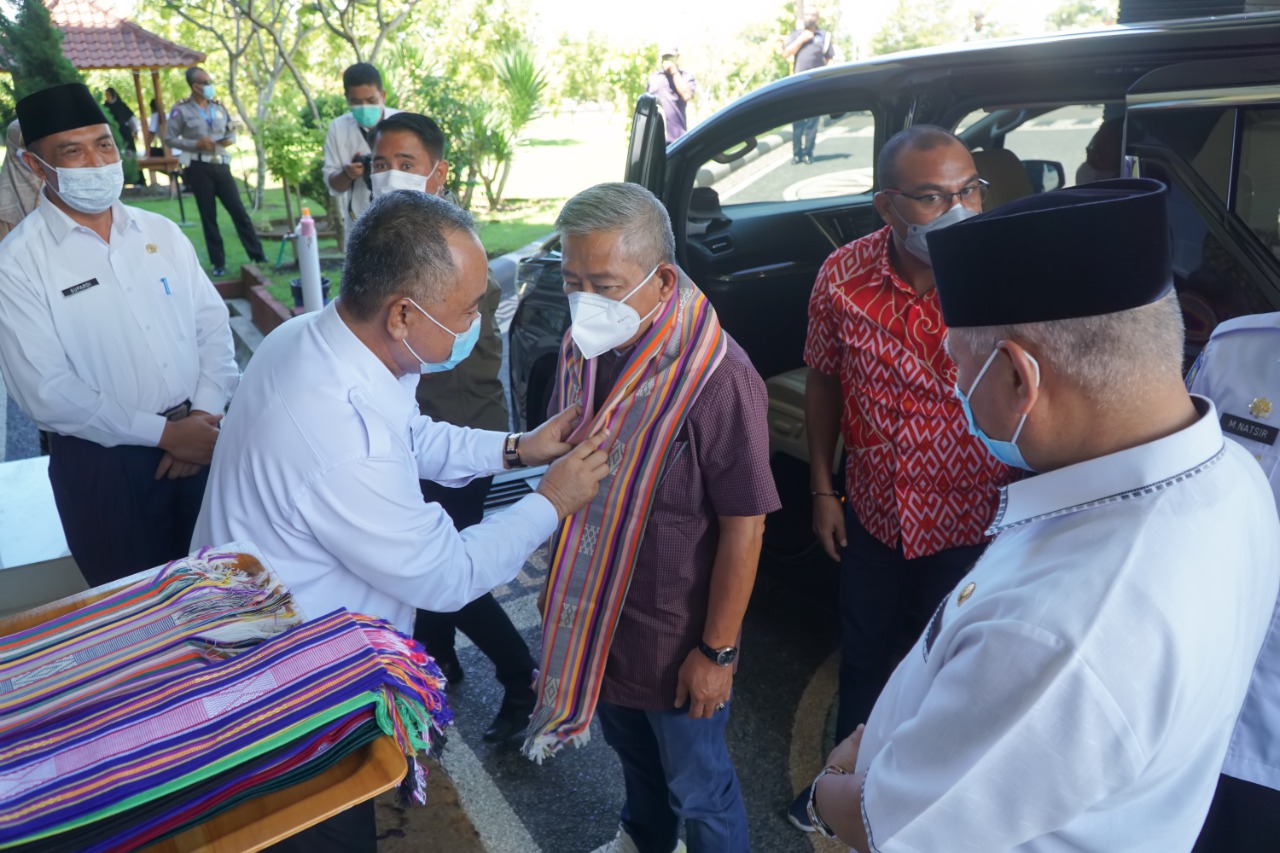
x=346, y=146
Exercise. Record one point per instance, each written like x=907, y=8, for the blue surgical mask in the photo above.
x=463, y=343
x=1005, y=451
x=367, y=115
x=208, y=91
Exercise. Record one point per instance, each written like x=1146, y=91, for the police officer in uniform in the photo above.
x=114, y=341
x=201, y=127
x=1239, y=370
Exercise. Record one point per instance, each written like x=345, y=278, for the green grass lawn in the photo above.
x=518, y=223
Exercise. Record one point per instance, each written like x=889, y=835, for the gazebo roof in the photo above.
x=97, y=35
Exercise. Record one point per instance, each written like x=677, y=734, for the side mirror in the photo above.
x=1045, y=175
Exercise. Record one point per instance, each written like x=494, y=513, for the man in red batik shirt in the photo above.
x=921, y=490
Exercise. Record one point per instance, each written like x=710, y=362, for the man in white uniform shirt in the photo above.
x=321, y=455
x=1078, y=688
x=346, y=144
x=1239, y=370
x=112, y=340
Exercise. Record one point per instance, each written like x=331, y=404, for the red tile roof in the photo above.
x=96, y=34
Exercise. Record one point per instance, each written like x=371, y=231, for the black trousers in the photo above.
x=483, y=620
x=117, y=517
x=210, y=181
x=886, y=601
x=1243, y=818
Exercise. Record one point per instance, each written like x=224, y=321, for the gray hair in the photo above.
x=629, y=210
x=401, y=245
x=1115, y=359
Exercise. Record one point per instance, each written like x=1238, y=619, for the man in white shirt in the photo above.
x=321, y=455
x=1078, y=688
x=115, y=342
x=1239, y=370
x=346, y=145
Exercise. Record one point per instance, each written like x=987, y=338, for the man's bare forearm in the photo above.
x=733, y=575
x=823, y=403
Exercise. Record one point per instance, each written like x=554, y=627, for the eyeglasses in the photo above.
x=940, y=202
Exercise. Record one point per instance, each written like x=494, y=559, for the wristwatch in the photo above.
x=511, y=451
x=720, y=657
x=815, y=819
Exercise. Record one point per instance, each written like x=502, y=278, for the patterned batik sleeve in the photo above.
x=821, y=345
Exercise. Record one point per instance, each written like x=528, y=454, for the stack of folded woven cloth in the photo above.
x=179, y=697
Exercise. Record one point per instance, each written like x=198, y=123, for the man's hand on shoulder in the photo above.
x=572, y=480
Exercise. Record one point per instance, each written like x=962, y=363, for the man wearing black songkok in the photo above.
x=1077, y=690
x=115, y=342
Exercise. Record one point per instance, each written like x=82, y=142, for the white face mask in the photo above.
x=397, y=179
x=89, y=189
x=917, y=244
x=601, y=324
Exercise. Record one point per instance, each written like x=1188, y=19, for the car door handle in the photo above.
x=760, y=272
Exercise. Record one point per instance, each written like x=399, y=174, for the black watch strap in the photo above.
x=720, y=657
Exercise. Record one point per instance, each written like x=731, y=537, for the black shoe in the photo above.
x=451, y=669
x=797, y=159
x=257, y=260
x=512, y=719
x=218, y=272
x=808, y=159
x=798, y=812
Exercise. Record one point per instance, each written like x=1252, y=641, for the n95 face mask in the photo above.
x=601, y=324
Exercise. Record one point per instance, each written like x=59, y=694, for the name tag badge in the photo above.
x=1252, y=430
x=80, y=288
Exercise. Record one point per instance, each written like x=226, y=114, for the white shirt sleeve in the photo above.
x=1015, y=737
x=333, y=159
x=369, y=514
x=219, y=373
x=40, y=378
x=453, y=455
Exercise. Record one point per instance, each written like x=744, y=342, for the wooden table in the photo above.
x=261, y=821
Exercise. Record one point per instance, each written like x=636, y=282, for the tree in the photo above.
x=1081, y=15
x=31, y=49
x=351, y=22
x=260, y=40
x=919, y=23
x=523, y=84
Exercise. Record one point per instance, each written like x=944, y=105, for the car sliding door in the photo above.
x=1211, y=132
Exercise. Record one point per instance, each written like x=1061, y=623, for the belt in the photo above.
x=216, y=159
x=178, y=412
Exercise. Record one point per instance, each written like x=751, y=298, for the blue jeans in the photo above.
x=676, y=769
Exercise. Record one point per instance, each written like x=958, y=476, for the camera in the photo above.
x=366, y=160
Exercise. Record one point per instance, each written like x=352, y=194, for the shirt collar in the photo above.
x=60, y=225
x=1115, y=477
x=395, y=397
x=884, y=267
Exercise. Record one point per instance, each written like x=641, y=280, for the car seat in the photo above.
x=1001, y=168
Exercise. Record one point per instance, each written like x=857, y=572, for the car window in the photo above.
x=1202, y=138
x=1076, y=137
x=820, y=157
x=1211, y=283
x=1257, y=196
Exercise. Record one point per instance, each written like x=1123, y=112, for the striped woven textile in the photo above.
x=594, y=552
x=130, y=752
x=194, y=611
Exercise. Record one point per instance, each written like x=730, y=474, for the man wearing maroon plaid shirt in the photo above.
x=920, y=489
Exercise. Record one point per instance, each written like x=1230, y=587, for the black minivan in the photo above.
x=1195, y=104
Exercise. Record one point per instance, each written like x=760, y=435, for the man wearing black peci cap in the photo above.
x=1078, y=688
x=113, y=340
